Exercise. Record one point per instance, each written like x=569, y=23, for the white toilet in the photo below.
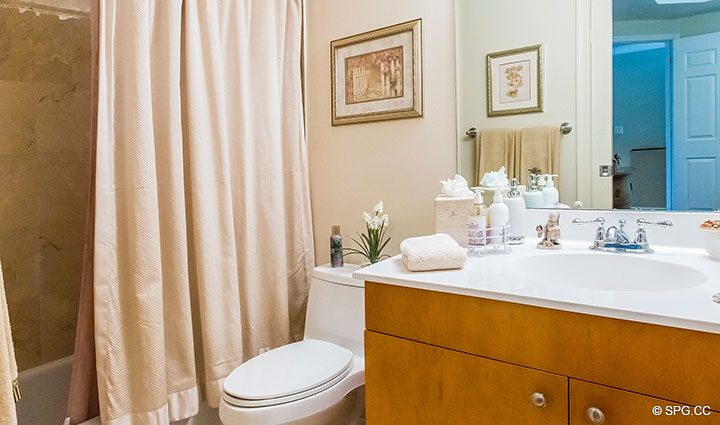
x=317, y=381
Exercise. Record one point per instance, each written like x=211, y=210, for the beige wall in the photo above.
x=44, y=176
x=483, y=28
x=400, y=162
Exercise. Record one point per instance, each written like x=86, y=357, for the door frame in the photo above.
x=669, y=101
x=594, y=101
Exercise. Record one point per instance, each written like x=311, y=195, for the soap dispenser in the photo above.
x=541, y=182
x=516, y=207
x=533, y=196
x=478, y=221
x=551, y=196
x=498, y=214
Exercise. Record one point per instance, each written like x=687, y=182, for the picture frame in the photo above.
x=377, y=75
x=515, y=81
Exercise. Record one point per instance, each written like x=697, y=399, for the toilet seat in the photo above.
x=287, y=374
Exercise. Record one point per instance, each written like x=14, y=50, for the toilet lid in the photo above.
x=289, y=370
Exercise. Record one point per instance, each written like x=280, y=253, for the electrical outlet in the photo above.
x=618, y=130
x=605, y=171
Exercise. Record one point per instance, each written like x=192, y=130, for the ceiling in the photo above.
x=643, y=10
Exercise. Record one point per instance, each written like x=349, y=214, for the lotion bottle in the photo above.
x=477, y=221
x=516, y=207
x=498, y=214
x=551, y=196
x=533, y=197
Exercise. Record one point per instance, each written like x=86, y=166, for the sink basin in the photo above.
x=609, y=272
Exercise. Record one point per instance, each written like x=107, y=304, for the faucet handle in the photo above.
x=641, y=235
x=599, y=220
x=641, y=222
x=599, y=233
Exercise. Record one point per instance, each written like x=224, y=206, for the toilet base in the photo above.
x=350, y=410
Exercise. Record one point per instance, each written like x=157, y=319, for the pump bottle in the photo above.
x=551, y=196
x=498, y=214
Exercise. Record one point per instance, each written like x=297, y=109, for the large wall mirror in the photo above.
x=641, y=90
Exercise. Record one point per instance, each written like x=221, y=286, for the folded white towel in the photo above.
x=434, y=252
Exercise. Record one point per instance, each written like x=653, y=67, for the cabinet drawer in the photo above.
x=413, y=383
x=625, y=408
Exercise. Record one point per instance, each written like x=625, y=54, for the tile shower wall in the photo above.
x=45, y=149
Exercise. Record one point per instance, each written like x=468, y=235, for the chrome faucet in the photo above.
x=614, y=239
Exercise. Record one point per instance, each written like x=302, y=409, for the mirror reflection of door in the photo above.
x=666, y=103
x=696, y=147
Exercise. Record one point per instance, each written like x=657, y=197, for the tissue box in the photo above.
x=451, y=216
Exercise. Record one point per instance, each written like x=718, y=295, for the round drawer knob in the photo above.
x=538, y=400
x=595, y=415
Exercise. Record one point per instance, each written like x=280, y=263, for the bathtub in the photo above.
x=45, y=393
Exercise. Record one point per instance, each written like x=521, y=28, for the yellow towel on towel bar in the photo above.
x=495, y=149
x=538, y=147
x=9, y=391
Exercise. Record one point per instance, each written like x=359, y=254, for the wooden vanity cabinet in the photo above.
x=415, y=383
x=438, y=358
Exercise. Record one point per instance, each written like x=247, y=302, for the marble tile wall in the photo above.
x=45, y=148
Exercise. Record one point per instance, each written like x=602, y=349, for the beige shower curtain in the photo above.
x=203, y=239
x=83, y=392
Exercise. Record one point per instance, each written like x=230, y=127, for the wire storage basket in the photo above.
x=497, y=238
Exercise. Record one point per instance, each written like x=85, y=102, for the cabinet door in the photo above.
x=616, y=407
x=407, y=382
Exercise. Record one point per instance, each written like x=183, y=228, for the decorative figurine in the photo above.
x=550, y=233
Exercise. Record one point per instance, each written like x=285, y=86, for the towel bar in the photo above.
x=565, y=128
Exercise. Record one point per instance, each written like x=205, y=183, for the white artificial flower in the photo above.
x=378, y=208
x=375, y=223
x=386, y=220
x=366, y=217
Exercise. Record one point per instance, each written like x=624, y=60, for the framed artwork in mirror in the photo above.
x=377, y=75
x=515, y=81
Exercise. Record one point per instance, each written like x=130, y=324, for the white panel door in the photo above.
x=696, y=143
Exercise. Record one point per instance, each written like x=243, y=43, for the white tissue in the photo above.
x=456, y=188
x=495, y=179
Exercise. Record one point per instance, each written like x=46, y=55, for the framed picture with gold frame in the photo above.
x=377, y=75
x=515, y=81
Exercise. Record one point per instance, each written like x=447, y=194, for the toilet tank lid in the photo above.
x=340, y=275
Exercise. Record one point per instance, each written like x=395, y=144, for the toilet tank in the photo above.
x=336, y=308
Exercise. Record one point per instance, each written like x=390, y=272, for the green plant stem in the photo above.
x=370, y=245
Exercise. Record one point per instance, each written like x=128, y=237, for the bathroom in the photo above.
x=169, y=191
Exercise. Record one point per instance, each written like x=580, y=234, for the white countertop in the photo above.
x=497, y=277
